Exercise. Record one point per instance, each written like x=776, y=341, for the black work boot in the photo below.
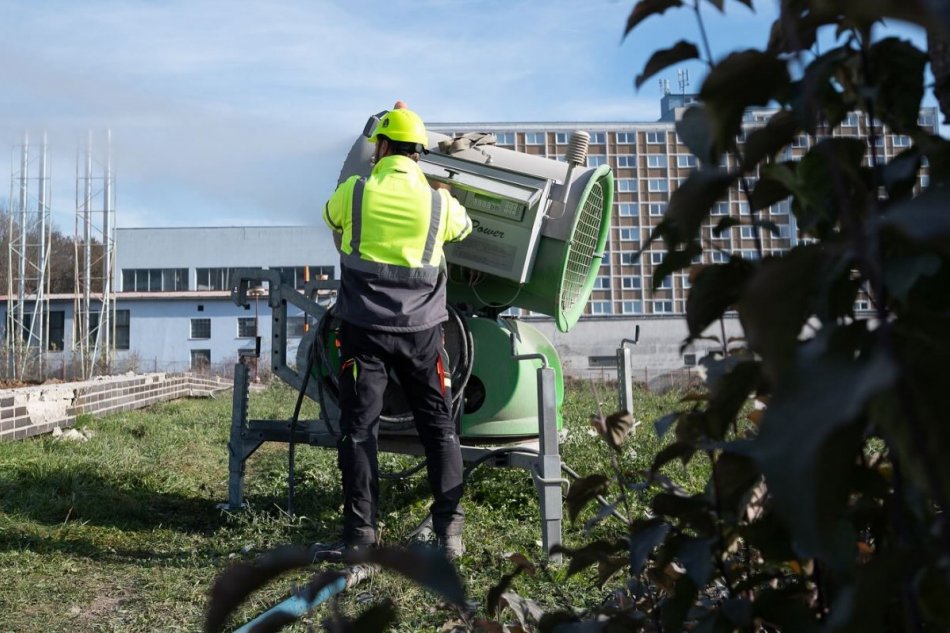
x=452, y=545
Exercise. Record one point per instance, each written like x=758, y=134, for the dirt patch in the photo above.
x=14, y=384
x=101, y=605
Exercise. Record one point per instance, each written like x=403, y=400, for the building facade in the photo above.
x=173, y=307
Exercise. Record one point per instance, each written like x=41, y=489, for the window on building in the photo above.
x=246, y=327
x=662, y=307
x=596, y=160
x=600, y=307
x=689, y=360
x=901, y=140
x=685, y=160
x=782, y=208
x=658, y=185
x=784, y=231
x=120, y=329
x=154, y=279
x=862, y=305
x=628, y=235
x=657, y=208
x=800, y=141
x=602, y=283
x=926, y=119
x=631, y=283
x=504, y=138
x=628, y=209
x=627, y=161
x=656, y=138
x=626, y=138
x=57, y=330
x=719, y=257
x=850, y=120
x=626, y=185
x=747, y=232
x=200, y=359
x=924, y=181
x=631, y=307
x=595, y=362
x=201, y=328
x=743, y=208
x=123, y=323
x=560, y=138
x=213, y=278
x=720, y=208
x=656, y=257
x=666, y=283
x=629, y=259
x=597, y=138
x=534, y=138
x=656, y=160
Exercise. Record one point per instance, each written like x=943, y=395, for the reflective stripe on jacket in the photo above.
x=392, y=227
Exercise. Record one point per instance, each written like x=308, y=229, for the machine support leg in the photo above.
x=548, y=472
x=236, y=450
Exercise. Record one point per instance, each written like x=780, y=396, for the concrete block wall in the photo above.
x=29, y=411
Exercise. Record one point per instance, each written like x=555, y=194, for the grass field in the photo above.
x=123, y=532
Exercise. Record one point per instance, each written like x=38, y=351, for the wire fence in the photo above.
x=39, y=368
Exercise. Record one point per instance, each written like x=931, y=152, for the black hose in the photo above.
x=292, y=444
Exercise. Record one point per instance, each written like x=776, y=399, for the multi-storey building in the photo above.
x=649, y=162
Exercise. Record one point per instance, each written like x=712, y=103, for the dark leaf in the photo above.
x=816, y=99
x=588, y=555
x=739, y=612
x=645, y=535
x=583, y=491
x=608, y=567
x=897, y=72
x=786, y=610
x=697, y=556
x=865, y=605
x=730, y=395
x=675, y=261
x=725, y=224
x=492, y=601
x=932, y=586
x=663, y=424
x=557, y=622
x=900, y=174
x=791, y=33
x=742, y=79
x=923, y=219
x=903, y=273
x=427, y=567
x=690, y=203
x=673, y=612
x=829, y=182
x=735, y=475
x=925, y=13
x=661, y=59
x=777, y=183
x=240, y=580
x=811, y=435
x=715, y=289
x=694, y=511
x=766, y=142
x=522, y=608
x=774, y=304
x=376, y=619
x=769, y=537
x=646, y=8
x=676, y=450
x=694, y=130
x=768, y=225
x=604, y=512
x=618, y=425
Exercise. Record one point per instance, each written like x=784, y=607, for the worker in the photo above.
x=389, y=229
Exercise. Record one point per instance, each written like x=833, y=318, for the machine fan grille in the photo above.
x=582, y=247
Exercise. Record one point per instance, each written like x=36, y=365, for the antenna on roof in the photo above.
x=682, y=78
x=665, y=86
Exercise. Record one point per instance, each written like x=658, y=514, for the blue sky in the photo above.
x=241, y=112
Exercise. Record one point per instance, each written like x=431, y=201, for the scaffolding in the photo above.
x=27, y=320
x=94, y=257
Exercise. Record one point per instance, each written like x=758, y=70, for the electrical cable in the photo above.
x=292, y=444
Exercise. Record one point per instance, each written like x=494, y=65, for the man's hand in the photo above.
x=438, y=184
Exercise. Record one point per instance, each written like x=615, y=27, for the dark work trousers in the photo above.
x=417, y=359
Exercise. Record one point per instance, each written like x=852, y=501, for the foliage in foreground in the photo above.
x=828, y=513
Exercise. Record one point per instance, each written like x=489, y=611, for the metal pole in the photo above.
x=87, y=259
x=42, y=306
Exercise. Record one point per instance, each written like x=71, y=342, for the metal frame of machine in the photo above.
x=541, y=457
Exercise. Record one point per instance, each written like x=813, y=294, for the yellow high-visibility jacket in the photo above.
x=393, y=226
